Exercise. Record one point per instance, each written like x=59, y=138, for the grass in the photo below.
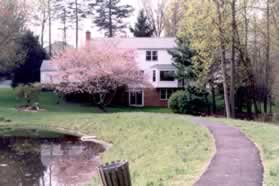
x=163, y=149
x=266, y=137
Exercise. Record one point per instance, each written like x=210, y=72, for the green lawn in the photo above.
x=163, y=149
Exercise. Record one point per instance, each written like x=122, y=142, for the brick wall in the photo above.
x=152, y=98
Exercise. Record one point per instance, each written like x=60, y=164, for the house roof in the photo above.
x=140, y=43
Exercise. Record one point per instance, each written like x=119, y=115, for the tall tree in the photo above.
x=110, y=15
x=183, y=61
x=233, y=59
x=142, y=28
x=40, y=16
x=220, y=9
x=174, y=17
x=62, y=15
x=12, y=19
x=77, y=10
x=267, y=63
x=156, y=14
x=49, y=4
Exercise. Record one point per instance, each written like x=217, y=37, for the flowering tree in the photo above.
x=98, y=70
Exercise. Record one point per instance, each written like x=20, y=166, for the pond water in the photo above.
x=39, y=158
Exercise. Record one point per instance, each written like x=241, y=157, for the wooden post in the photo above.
x=115, y=174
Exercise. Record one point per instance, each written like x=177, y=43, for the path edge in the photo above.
x=258, y=147
x=259, y=150
x=212, y=156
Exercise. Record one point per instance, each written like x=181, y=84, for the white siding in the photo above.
x=163, y=58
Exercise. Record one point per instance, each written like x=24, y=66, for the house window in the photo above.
x=151, y=55
x=154, y=55
x=154, y=75
x=136, y=97
x=165, y=93
x=167, y=75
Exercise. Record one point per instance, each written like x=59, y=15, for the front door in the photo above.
x=136, y=98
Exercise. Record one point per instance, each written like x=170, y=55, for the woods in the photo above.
x=229, y=37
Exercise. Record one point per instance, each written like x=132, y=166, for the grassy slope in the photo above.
x=266, y=137
x=163, y=149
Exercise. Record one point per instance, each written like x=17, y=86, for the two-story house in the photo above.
x=153, y=60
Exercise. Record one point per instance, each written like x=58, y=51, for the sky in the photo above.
x=86, y=25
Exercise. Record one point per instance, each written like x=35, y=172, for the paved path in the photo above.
x=237, y=161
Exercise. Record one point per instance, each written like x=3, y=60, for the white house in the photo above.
x=153, y=60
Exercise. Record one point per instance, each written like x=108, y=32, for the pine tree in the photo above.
x=77, y=12
x=29, y=70
x=110, y=16
x=142, y=27
x=62, y=14
x=182, y=57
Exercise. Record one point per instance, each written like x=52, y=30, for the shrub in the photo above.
x=178, y=102
x=28, y=93
x=185, y=103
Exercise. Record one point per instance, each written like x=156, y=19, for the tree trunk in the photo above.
x=267, y=63
x=214, y=109
x=110, y=20
x=64, y=28
x=219, y=9
x=43, y=28
x=249, y=106
x=77, y=22
x=49, y=27
x=232, y=88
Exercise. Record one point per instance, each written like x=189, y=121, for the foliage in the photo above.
x=110, y=15
x=29, y=70
x=98, y=70
x=189, y=102
x=174, y=17
x=142, y=28
x=198, y=25
x=156, y=14
x=182, y=59
x=178, y=102
x=28, y=93
x=12, y=19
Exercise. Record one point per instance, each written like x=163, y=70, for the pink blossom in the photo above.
x=98, y=69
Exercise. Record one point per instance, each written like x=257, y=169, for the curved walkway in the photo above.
x=237, y=161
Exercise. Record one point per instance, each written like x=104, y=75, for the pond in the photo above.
x=40, y=158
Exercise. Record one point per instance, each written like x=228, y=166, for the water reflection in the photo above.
x=47, y=162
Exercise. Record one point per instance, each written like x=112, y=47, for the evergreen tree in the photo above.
x=182, y=60
x=110, y=15
x=29, y=70
x=142, y=27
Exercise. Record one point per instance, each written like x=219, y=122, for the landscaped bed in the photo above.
x=163, y=149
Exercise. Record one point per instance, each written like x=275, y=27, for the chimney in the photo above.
x=88, y=36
